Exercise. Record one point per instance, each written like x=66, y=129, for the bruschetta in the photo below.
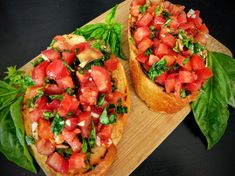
x=77, y=110
x=167, y=54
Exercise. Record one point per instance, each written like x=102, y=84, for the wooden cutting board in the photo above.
x=145, y=129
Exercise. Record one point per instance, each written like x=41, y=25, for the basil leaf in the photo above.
x=121, y=109
x=84, y=145
x=97, y=33
x=210, y=109
x=144, y=7
x=112, y=118
x=101, y=99
x=65, y=152
x=97, y=62
x=57, y=125
x=104, y=117
x=58, y=97
x=157, y=69
x=92, y=138
x=37, y=61
x=109, y=19
x=48, y=114
x=186, y=61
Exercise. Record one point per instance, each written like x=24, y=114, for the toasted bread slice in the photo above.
x=103, y=157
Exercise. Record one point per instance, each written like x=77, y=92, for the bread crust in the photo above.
x=152, y=94
x=117, y=131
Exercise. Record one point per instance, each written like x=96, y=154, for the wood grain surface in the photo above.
x=145, y=129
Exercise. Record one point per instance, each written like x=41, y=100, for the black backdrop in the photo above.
x=26, y=27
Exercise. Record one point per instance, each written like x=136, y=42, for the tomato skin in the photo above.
x=197, y=62
x=180, y=60
x=77, y=161
x=152, y=59
x=69, y=104
x=58, y=163
x=68, y=57
x=45, y=147
x=195, y=86
x=168, y=39
x=204, y=74
x=39, y=73
x=142, y=58
x=56, y=70
x=202, y=38
x=145, y=20
x=65, y=82
x=138, y=2
x=111, y=64
x=161, y=50
x=44, y=129
x=101, y=78
x=144, y=45
x=170, y=83
x=41, y=102
x=186, y=77
x=88, y=93
x=141, y=33
x=51, y=54
x=53, y=89
x=105, y=132
x=170, y=59
x=115, y=96
x=86, y=129
x=158, y=22
x=182, y=18
x=161, y=79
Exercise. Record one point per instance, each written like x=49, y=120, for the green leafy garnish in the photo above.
x=58, y=97
x=69, y=91
x=157, y=69
x=68, y=66
x=148, y=52
x=37, y=61
x=104, y=119
x=57, y=125
x=168, y=22
x=176, y=47
x=183, y=93
x=121, y=109
x=48, y=114
x=158, y=10
x=29, y=140
x=110, y=32
x=112, y=118
x=144, y=7
x=210, y=109
x=84, y=145
x=166, y=15
x=186, y=61
x=65, y=152
x=92, y=138
x=101, y=99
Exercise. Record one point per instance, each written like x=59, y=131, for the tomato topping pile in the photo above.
x=74, y=104
x=171, y=45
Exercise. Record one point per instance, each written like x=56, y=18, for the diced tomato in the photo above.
x=71, y=123
x=68, y=57
x=44, y=129
x=51, y=54
x=196, y=20
x=204, y=74
x=57, y=70
x=152, y=59
x=176, y=9
x=53, y=89
x=135, y=10
x=186, y=77
x=114, y=98
x=45, y=147
x=83, y=77
x=58, y=163
x=105, y=132
x=197, y=62
x=158, y=22
x=186, y=53
x=174, y=23
x=161, y=79
x=170, y=83
x=161, y=50
x=142, y=58
x=65, y=82
x=39, y=73
x=170, y=59
x=202, y=38
x=145, y=20
x=41, y=102
x=85, y=124
x=181, y=61
x=111, y=64
x=168, y=39
x=36, y=114
x=141, y=33
x=178, y=86
x=182, y=18
x=75, y=145
x=186, y=26
x=195, y=86
x=72, y=139
x=138, y=2
x=101, y=78
x=77, y=161
x=144, y=45
x=78, y=48
x=156, y=43
x=69, y=104
x=88, y=93
x=204, y=29
x=53, y=105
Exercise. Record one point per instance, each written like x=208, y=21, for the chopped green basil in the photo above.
x=29, y=140
x=65, y=152
x=101, y=99
x=148, y=52
x=57, y=125
x=37, y=61
x=176, y=66
x=183, y=93
x=176, y=48
x=167, y=23
x=84, y=145
x=104, y=117
x=121, y=109
x=97, y=62
x=68, y=66
x=92, y=138
x=113, y=118
x=158, y=10
x=144, y=7
x=113, y=84
x=52, y=43
x=69, y=91
x=48, y=114
x=166, y=15
x=186, y=61
x=58, y=97
x=157, y=69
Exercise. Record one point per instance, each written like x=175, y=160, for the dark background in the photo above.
x=27, y=27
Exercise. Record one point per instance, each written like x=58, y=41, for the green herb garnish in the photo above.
x=157, y=69
x=57, y=124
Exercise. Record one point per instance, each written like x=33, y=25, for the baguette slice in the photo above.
x=152, y=94
x=103, y=157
